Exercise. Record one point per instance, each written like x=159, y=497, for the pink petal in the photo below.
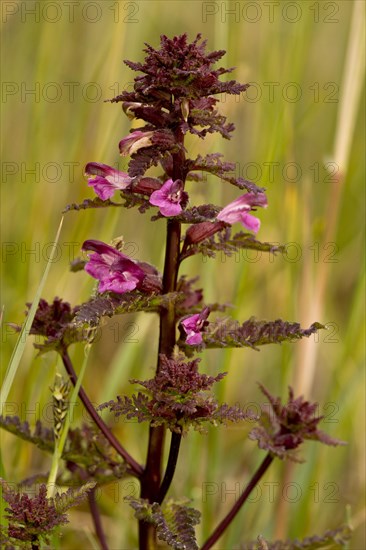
x=103, y=188
x=118, y=283
x=250, y=222
x=194, y=338
x=190, y=323
x=171, y=209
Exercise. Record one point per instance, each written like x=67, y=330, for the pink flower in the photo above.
x=135, y=141
x=194, y=325
x=238, y=211
x=115, y=271
x=106, y=179
x=170, y=198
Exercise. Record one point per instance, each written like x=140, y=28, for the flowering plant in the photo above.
x=174, y=95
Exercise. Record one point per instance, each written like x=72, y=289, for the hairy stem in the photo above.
x=97, y=520
x=224, y=524
x=170, y=469
x=151, y=479
x=135, y=468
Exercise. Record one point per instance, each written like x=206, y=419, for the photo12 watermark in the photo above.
x=29, y=11
x=270, y=12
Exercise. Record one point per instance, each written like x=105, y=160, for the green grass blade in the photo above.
x=21, y=342
x=92, y=539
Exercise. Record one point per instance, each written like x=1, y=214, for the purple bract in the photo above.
x=135, y=141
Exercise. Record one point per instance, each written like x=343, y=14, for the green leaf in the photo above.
x=72, y=497
x=83, y=447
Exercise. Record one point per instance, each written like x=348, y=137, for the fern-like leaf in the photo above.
x=252, y=333
x=83, y=446
x=91, y=312
x=174, y=521
x=213, y=164
x=90, y=203
x=225, y=244
x=178, y=398
x=331, y=539
x=31, y=519
x=72, y=497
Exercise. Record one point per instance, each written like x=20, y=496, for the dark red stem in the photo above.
x=170, y=469
x=135, y=468
x=97, y=520
x=151, y=478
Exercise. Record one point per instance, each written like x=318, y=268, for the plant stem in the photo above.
x=151, y=478
x=97, y=520
x=224, y=524
x=135, y=468
x=170, y=469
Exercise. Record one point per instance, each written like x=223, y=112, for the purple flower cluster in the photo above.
x=115, y=271
x=171, y=197
x=194, y=325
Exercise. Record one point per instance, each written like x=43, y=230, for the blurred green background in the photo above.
x=299, y=133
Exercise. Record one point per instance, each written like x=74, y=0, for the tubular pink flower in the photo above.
x=194, y=325
x=106, y=179
x=238, y=211
x=170, y=198
x=115, y=271
x=135, y=141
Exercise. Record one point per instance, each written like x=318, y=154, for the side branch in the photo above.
x=135, y=467
x=170, y=469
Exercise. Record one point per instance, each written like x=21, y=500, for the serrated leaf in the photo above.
x=90, y=203
x=174, y=521
x=178, y=397
x=331, y=539
x=91, y=312
x=143, y=159
x=42, y=437
x=72, y=497
x=225, y=244
x=228, y=333
x=83, y=446
x=213, y=164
